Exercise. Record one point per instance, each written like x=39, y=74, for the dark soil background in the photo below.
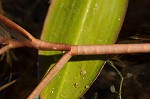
x=20, y=65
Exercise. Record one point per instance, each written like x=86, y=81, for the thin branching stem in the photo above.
x=121, y=81
x=14, y=26
x=72, y=50
x=63, y=60
x=7, y=85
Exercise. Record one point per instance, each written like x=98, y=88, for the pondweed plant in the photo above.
x=93, y=24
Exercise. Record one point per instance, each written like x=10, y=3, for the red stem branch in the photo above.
x=72, y=50
x=14, y=26
x=110, y=49
x=43, y=45
x=63, y=60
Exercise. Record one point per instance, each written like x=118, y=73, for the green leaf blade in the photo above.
x=79, y=22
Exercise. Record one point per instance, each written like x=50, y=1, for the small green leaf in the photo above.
x=78, y=22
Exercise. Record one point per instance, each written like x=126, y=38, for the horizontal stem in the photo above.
x=43, y=45
x=110, y=49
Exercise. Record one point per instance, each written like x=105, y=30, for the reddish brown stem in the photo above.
x=36, y=43
x=43, y=45
x=4, y=49
x=110, y=49
x=89, y=50
x=72, y=50
x=7, y=85
x=64, y=59
x=15, y=27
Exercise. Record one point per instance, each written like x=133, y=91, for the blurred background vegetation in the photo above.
x=18, y=67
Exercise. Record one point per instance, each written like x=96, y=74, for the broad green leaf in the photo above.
x=78, y=22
